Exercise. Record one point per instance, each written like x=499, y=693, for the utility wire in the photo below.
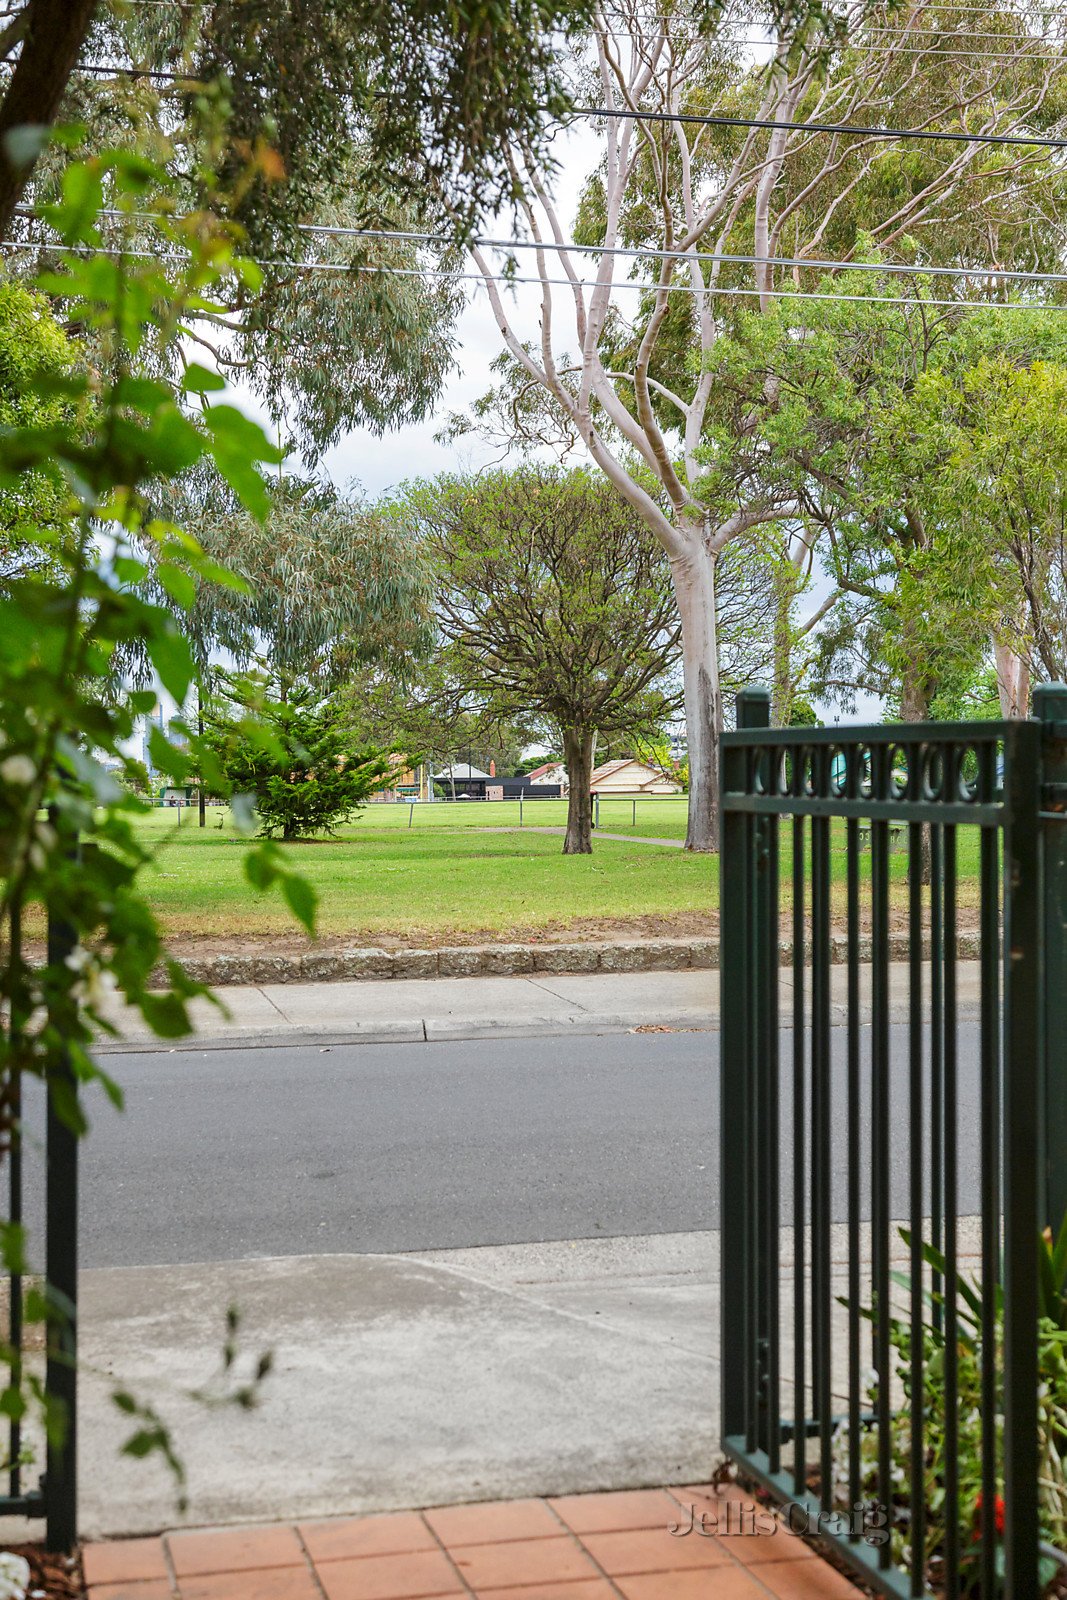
x=1024, y=54
x=707, y=119
x=716, y=121
x=508, y=280
x=724, y=257
x=629, y=252
x=645, y=253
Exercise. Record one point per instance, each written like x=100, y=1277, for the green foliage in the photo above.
x=973, y=1417
x=991, y=440
x=338, y=113
x=68, y=828
x=882, y=422
x=35, y=356
x=550, y=596
x=299, y=763
x=326, y=581
x=554, y=604
x=657, y=753
x=802, y=714
x=227, y=1389
x=430, y=716
x=135, y=778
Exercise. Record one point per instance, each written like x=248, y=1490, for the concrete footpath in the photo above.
x=414, y=1009
x=405, y=1380
x=420, y=1379
x=411, y=1010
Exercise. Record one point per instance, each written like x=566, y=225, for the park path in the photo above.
x=624, y=838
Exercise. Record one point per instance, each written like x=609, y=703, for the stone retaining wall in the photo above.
x=502, y=960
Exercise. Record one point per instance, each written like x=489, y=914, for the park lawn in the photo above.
x=646, y=817
x=426, y=884
x=451, y=875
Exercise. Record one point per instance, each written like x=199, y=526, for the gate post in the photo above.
x=738, y=1126
x=1050, y=708
x=61, y=1280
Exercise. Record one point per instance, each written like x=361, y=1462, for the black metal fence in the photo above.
x=51, y=1372
x=894, y=1115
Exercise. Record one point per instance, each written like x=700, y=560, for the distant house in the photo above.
x=464, y=779
x=553, y=772
x=629, y=776
x=476, y=785
x=405, y=783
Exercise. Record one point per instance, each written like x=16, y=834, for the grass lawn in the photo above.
x=438, y=877
x=650, y=818
x=432, y=875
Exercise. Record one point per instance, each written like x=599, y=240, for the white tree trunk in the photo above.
x=1013, y=682
x=694, y=588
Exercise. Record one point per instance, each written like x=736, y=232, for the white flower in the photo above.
x=97, y=986
x=37, y=1019
x=78, y=959
x=14, y=1576
x=38, y=859
x=18, y=769
x=46, y=835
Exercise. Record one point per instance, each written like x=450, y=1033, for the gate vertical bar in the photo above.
x=880, y=1133
x=915, y=1176
x=61, y=1278
x=768, y=1188
x=821, y=1153
x=1050, y=707
x=14, y=1210
x=737, y=1091
x=951, y=1182
x=937, y=1040
x=853, y=1157
x=991, y=1182
x=800, y=1389
x=1024, y=1048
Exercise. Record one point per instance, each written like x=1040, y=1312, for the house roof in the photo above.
x=649, y=775
x=461, y=770
x=549, y=766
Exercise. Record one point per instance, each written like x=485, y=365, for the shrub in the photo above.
x=298, y=761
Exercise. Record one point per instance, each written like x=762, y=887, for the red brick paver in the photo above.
x=615, y=1546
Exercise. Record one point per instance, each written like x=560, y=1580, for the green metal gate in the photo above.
x=894, y=1043
x=53, y=1496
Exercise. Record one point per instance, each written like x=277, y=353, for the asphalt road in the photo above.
x=295, y=1150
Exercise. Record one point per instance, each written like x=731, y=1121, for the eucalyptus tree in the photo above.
x=327, y=582
x=994, y=439
x=272, y=114
x=553, y=604
x=35, y=355
x=918, y=444
x=626, y=369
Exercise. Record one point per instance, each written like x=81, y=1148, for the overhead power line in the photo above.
x=714, y=256
x=714, y=119
x=642, y=253
x=1027, y=48
x=508, y=280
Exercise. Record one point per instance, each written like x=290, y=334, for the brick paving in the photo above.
x=614, y=1546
